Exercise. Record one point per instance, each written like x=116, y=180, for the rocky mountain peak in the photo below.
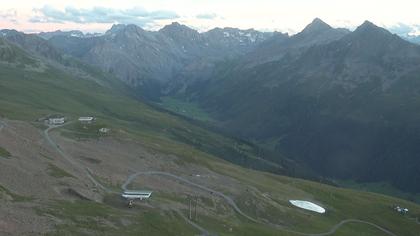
x=371, y=32
x=177, y=28
x=115, y=28
x=317, y=25
x=179, y=32
x=126, y=28
x=174, y=25
x=368, y=26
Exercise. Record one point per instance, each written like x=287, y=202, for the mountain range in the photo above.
x=338, y=101
x=225, y=127
x=147, y=60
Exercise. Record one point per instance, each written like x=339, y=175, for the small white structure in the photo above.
x=401, y=210
x=308, y=206
x=133, y=195
x=104, y=130
x=86, y=119
x=56, y=121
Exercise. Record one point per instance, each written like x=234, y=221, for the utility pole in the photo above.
x=189, y=198
x=195, y=208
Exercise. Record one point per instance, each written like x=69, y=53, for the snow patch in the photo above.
x=308, y=206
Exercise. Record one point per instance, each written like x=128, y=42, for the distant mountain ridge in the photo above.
x=146, y=59
x=317, y=32
x=71, y=33
x=32, y=43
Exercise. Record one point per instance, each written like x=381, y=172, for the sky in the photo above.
x=266, y=15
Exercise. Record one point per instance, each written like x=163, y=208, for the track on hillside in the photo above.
x=73, y=162
x=232, y=203
x=228, y=199
x=89, y=173
x=2, y=125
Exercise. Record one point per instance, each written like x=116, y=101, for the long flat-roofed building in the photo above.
x=86, y=119
x=56, y=121
x=132, y=195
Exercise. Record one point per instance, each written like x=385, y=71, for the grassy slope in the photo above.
x=340, y=203
x=192, y=110
x=187, y=109
x=381, y=187
x=84, y=214
x=28, y=95
x=4, y=153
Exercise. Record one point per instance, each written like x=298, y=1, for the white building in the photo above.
x=56, y=121
x=104, y=130
x=87, y=119
x=140, y=195
x=401, y=210
x=135, y=195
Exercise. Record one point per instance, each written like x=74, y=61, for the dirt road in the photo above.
x=228, y=199
x=69, y=159
x=232, y=203
x=2, y=125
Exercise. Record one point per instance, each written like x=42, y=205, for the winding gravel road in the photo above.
x=89, y=173
x=232, y=203
x=69, y=159
x=2, y=125
x=228, y=199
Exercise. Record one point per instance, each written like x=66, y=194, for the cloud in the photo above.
x=136, y=15
x=400, y=29
x=405, y=30
x=206, y=16
x=9, y=15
